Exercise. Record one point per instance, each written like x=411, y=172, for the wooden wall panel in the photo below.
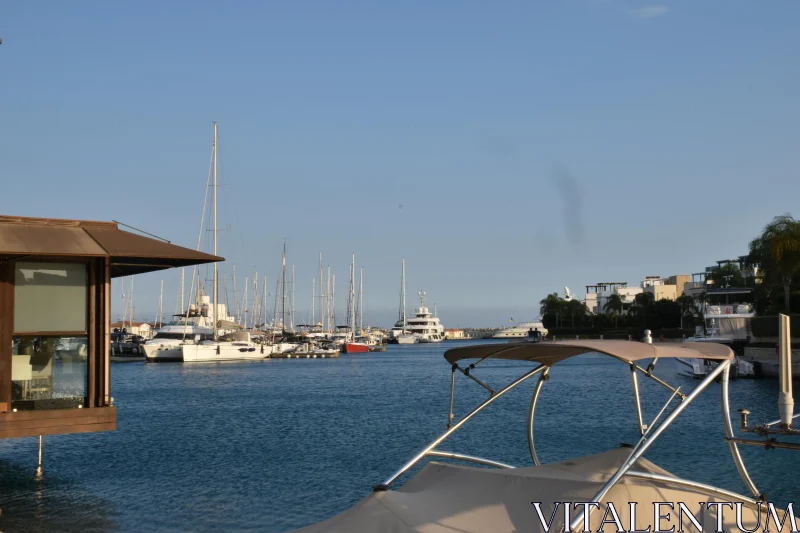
x=57, y=421
x=6, y=330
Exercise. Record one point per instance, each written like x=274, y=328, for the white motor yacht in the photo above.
x=238, y=346
x=520, y=331
x=726, y=313
x=407, y=338
x=166, y=344
x=424, y=325
x=699, y=368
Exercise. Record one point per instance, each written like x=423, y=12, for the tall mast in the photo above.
x=292, y=315
x=352, y=300
x=236, y=299
x=216, y=291
x=264, y=306
x=130, y=301
x=321, y=297
x=183, y=302
x=328, y=302
x=160, y=317
x=256, y=301
x=361, y=302
x=333, y=300
x=275, y=311
x=244, y=303
x=283, y=289
x=122, y=306
x=313, y=297
x=403, y=295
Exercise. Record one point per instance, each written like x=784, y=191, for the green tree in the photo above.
x=614, y=306
x=665, y=314
x=727, y=275
x=644, y=299
x=552, y=307
x=687, y=307
x=777, y=254
x=576, y=308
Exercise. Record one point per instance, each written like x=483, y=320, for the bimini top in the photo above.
x=549, y=353
x=130, y=253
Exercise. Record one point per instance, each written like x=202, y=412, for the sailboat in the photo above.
x=235, y=346
x=354, y=344
x=400, y=334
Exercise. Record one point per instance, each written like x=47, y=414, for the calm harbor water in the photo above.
x=275, y=445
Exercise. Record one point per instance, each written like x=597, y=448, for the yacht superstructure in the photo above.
x=520, y=330
x=726, y=315
x=424, y=325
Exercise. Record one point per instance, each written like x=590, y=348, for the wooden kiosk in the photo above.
x=55, y=304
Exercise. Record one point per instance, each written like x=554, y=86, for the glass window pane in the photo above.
x=50, y=297
x=48, y=372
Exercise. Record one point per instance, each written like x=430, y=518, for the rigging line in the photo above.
x=235, y=242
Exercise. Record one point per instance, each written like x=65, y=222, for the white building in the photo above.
x=597, y=295
x=134, y=328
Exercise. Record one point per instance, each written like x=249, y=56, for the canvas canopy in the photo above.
x=130, y=253
x=445, y=498
x=549, y=353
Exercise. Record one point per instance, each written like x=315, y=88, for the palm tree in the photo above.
x=777, y=252
x=688, y=308
x=576, y=308
x=552, y=305
x=614, y=306
x=644, y=299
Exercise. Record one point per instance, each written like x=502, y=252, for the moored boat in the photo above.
x=355, y=347
x=425, y=326
x=443, y=497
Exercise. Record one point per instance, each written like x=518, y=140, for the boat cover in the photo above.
x=549, y=353
x=444, y=498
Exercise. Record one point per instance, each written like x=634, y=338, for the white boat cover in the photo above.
x=444, y=498
x=549, y=353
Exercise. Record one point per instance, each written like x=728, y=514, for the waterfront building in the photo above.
x=55, y=305
x=598, y=295
x=454, y=333
x=143, y=329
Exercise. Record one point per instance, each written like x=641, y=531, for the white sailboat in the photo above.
x=400, y=334
x=235, y=346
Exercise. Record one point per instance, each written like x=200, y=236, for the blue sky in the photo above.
x=506, y=149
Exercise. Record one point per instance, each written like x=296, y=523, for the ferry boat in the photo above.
x=443, y=497
x=424, y=325
x=520, y=331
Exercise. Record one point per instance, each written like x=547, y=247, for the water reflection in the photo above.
x=35, y=502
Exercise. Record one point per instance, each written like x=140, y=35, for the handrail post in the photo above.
x=532, y=411
x=645, y=443
x=391, y=479
x=726, y=420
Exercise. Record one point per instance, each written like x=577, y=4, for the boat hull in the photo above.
x=127, y=358
x=207, y=353
x=407, y=339
x=355, y=347
x=162, y=354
